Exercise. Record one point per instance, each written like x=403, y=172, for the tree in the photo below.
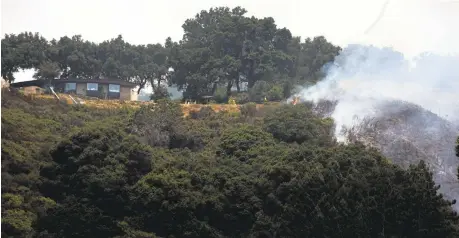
x=240, y=139
x=23, y=51
x=299, y=124
x=222, y=47
x=93, y=169
x=311, y=56
x=160, y=92
x=47, y=71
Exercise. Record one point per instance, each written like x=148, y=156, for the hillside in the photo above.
x=407, y=133
x=271, y=171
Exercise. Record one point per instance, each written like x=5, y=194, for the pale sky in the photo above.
x=410, y=26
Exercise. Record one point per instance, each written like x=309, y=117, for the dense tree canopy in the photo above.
x=222, y=48
x=149, y=172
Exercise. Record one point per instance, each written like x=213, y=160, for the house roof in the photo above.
x=41, y=83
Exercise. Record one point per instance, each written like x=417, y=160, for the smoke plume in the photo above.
x=364, y=77
x=408, y=108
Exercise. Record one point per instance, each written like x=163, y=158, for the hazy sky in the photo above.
x=410, y=26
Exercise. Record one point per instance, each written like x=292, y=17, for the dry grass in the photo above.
x=111, y=104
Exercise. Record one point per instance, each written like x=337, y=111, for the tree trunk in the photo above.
x=238, y=86
x=228, y=88
x=214, y=88
x=250, y=79
x=140, y=87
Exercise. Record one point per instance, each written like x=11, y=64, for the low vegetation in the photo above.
x=79, y=171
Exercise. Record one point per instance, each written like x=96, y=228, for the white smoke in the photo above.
x=363, y=77
x=379, y=84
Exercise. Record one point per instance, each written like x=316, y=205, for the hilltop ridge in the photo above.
x=112, y=104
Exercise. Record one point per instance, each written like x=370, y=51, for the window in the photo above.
x=70, y=87
x=92, y=86
x=115, y=88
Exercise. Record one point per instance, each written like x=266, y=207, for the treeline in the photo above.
x=221, y=49
x=264, y=172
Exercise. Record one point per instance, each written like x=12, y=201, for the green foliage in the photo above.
x=11, y=200
x=160, y=93
x=220, y=95
x=103, y=163
x=161, y=124
x=17, y=222
x=242, y=98
x=259, y=91
x=274, y=171
x=153, y=173
x=47, y=70
x=275, y=93
x=129, y=232
x=221, y=48
x=238, y=140
x=298, y=124
x=29, y=131
x=249, y=110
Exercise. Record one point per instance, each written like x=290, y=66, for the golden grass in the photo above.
x=111, y=104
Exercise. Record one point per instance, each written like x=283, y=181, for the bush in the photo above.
x=101, y=163
x=242, y=98
x=249, y=110
x=259, y=91
x=275, y=93
x=204, y=112
x=299, y=124
x=220, y=95
x=155, y=123
x=239, y=139
x=160, y=93
x=287, y=89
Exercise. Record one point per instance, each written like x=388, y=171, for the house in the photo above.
x=104, y=88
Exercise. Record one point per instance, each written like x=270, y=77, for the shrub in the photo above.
x=220, y=95
x=299, y=124
x=249, y=110
x=239, y=139
x=204, y=112
x=242, y=98
x=259, y=91
x=275, y=93
x=160, y=93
